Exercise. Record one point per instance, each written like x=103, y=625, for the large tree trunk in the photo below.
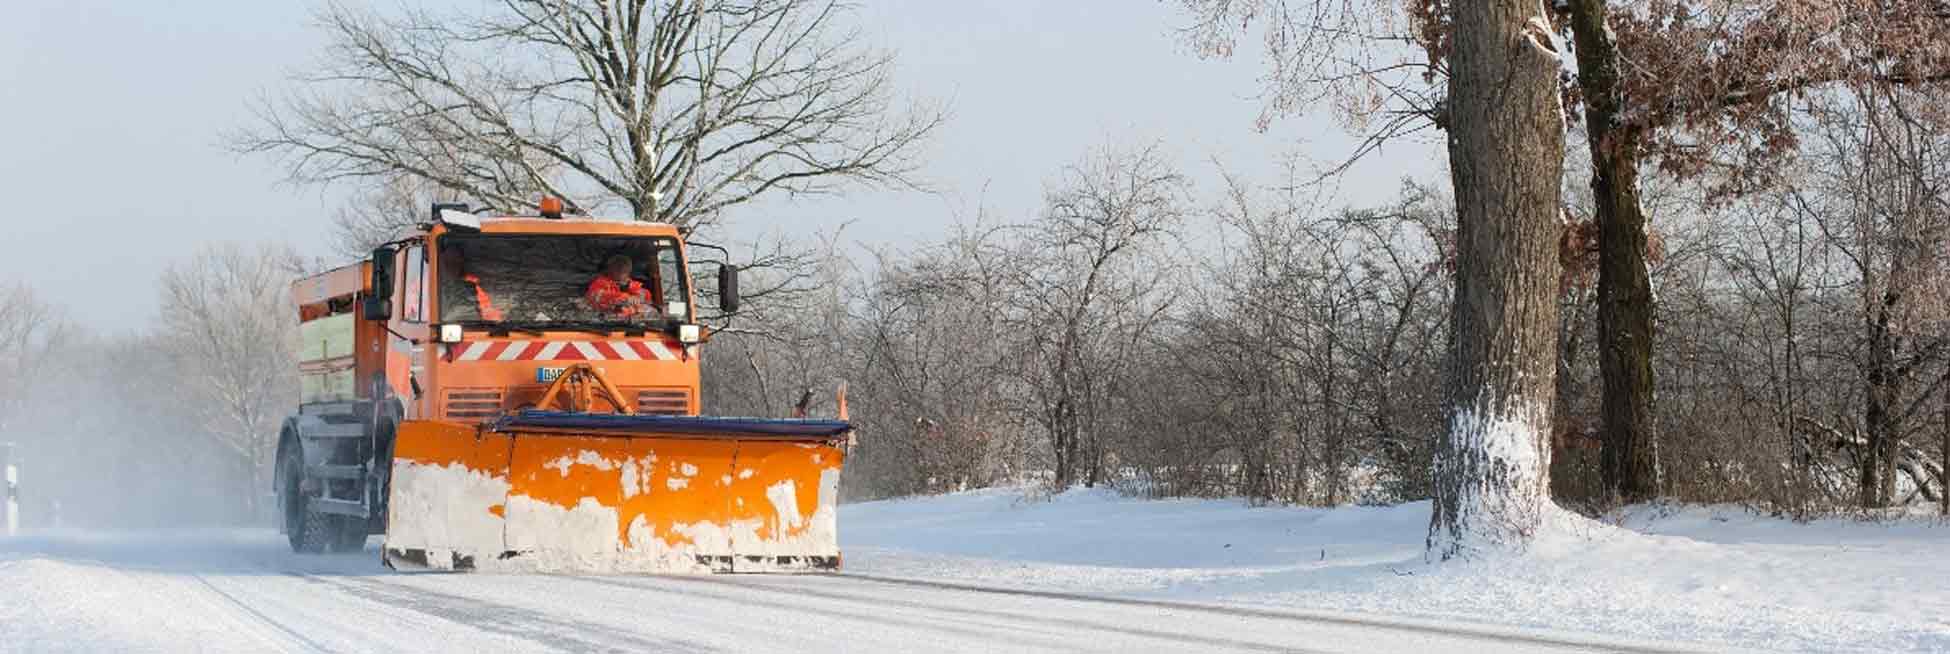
x=1333, y=439
x=1629, y=463
x=1877, y=460
x=1063, y=442
x=1506, y=147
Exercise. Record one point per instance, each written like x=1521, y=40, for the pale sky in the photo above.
x=111, y=158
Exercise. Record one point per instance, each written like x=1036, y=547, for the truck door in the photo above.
x=407, y=337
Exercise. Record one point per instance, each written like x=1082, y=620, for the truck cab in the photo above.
x=479, y=316
x=469, y=319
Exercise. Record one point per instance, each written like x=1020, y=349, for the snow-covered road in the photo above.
x=1018, y=570
x=242, y=591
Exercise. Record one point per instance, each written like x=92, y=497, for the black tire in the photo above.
x=382, y=462
x=350, y=535
x=307, y=531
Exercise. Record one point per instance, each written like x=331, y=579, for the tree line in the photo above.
x=172, y=421
x=1717, y=97
x=1734, y=292
x=1299, y=359
x=1145, y=334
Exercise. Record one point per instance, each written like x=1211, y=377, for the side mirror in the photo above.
x=376, y=308
x=379, y=296
x=727, y=288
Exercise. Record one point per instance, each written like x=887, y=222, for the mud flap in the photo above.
x=466, y=497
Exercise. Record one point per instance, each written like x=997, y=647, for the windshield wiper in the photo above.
x=586, y=326
x=606, y=327
x=538, y=327
x=499, y=328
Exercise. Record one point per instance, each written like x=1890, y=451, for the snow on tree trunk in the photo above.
x=1506, y=147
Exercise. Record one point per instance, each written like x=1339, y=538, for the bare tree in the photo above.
x=1257, y=338
x=387, y=210
x=30, y=330
x=1702, y=90
x=1315, y=334
x=1629, y=465
x=228, y=318
x=1881, y=195
x=1803, y=358
x=134, y=426
x=672, y=110
x=1778, y=265
x=1381, y=66
x=937, y=357
x=1089, y=293
x=1403, y=317
x=1506, y=149
x=765, y=359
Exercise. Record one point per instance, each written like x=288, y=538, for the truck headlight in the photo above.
x=688, y=334
x=450, y=333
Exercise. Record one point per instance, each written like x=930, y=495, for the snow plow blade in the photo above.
x=547, y=491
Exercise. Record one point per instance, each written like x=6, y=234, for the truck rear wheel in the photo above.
x=309, y=532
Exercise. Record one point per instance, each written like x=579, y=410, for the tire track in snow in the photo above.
x=296, y=635
x=981, y=631
x=1488, y=635
x=169, y=587
x=550, y=631
x=1066, y=626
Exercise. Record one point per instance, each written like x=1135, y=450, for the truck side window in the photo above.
x=670, y=277
x=413, y=294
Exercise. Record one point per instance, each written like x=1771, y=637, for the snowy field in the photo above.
x=1087, y=571
x=1718, y=576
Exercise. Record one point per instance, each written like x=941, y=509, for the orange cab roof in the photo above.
x=573, y=225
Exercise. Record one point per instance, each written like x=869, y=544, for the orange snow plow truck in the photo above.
x=521, y=394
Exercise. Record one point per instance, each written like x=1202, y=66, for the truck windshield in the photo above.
x=538, y=281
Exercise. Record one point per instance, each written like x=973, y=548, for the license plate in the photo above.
x=546, y=375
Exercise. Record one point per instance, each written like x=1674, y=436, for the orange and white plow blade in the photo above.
x=547, y=501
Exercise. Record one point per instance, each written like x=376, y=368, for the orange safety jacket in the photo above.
x=481, y=299
x=607, y=295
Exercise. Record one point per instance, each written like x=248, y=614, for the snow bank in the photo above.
x=1713, y=575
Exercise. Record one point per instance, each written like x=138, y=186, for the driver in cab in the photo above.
x=461, y=290
x=617, y=296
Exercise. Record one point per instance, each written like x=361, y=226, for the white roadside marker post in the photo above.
x=10, y=509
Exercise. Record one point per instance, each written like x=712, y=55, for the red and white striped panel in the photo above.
x=566, y=351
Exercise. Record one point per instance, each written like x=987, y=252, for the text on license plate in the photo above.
x=546, y=375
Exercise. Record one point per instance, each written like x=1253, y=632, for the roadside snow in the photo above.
x=57, y=617
x=1716, y=576
x=1713, y=575
x=199, y=590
